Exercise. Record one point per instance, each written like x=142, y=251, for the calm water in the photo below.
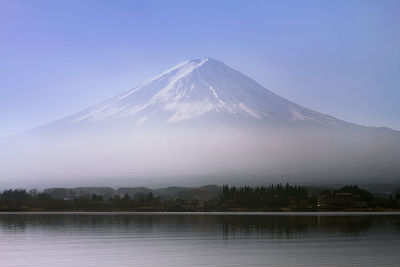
x=90, y=239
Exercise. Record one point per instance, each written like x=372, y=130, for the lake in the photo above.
x=198, y=239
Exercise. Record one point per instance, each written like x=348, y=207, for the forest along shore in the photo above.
x=206, y=198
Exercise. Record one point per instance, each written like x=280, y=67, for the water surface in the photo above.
x=196, y=239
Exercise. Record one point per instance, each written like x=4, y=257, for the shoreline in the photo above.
x=271, y=213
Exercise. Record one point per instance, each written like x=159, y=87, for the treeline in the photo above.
x=20, y=200
x=273, y=196
x=353, y=197
x=210, y=198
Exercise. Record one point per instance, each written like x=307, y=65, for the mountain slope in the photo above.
x=196, y=88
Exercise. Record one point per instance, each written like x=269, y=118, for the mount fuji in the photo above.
x=196, y=89
x=201, y=122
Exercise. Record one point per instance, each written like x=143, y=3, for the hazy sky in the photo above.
x=336, y=57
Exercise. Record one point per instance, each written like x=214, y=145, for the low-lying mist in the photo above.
x=179, y=156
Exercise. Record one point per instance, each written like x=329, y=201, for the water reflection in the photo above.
x=197, y=240
x=226, y=226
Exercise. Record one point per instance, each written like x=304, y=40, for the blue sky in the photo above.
x=337, y=57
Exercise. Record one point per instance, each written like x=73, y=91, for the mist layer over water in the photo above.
x=190, y=156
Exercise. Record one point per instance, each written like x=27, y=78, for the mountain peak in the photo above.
x=195, y=88
x=205, y=59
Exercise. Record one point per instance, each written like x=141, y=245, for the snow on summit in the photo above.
x=195, y=88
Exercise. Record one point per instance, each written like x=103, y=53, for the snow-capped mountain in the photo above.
x=193, y=89
x=200, y=119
